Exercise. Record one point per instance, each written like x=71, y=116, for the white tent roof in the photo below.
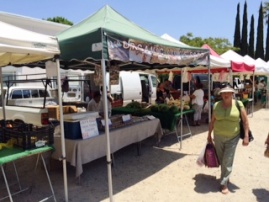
x=249, y=60
x=169, y=38
x=232, y=56
x=20, y=46
x=238, y=62
x=33, y=24
x=262, y=67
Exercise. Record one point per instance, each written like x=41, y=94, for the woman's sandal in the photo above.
x=224, y=189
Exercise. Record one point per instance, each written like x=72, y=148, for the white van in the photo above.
x=135, y=86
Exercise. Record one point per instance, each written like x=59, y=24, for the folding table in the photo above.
x=13, y=154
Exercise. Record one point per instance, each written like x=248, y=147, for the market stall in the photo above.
x=240, y=65
x=106, y=40
x=19, y=47
x=219, y=71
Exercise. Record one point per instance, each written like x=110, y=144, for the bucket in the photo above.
x=245, y=96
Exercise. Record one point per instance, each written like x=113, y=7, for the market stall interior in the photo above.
x=118, y=44
x=20, y=47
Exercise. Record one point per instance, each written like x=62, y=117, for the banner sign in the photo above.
x=143, y=52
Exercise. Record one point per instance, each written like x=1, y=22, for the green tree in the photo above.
x=251, y=52
x=267, y=42
x=220, y=45
x=60, y=20
x=259, y=43
x=244, y=38
x=237, y=35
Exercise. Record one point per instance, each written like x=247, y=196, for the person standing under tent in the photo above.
x=225, y=125
x=159, y=95
x=93, y=104
x=197, y=101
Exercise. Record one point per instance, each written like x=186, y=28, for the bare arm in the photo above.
x=245, y=125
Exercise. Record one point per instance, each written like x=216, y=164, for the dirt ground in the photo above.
x=163, y=173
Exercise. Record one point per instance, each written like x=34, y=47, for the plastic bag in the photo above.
x=201, y=158
x=205, y=109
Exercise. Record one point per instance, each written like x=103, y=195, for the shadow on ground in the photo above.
x=262, y=195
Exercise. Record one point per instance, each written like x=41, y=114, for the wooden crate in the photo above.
x=54, y=111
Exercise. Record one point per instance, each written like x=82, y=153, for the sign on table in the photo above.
x=89, y=128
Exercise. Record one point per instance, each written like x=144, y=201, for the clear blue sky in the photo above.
x=203, y=18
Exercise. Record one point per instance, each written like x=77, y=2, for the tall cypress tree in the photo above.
x=237, y=36
x=244, y=38
x=251, y=38
x=267, y=41
x=259, y=44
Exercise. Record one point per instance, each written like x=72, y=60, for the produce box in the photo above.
x=27, y=135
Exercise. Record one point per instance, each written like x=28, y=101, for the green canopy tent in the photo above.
x=107, y=39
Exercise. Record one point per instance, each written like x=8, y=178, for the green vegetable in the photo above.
x=134, y=104
x=163, y=108
x=173, y=109
x=154, y=108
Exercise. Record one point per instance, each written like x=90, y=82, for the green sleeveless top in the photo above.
x=227, y=120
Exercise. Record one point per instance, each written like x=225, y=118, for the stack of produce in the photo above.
x=177, y=103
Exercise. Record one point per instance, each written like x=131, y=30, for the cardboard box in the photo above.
x=54, y=111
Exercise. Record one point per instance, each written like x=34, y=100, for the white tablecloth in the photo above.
x=79, y=152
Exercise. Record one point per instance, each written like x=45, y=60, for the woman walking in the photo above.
x=225, y=125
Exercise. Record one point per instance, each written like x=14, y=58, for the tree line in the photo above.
x=244, y=41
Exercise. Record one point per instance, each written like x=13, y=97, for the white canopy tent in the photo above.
x=169, y=38
x=33, y=24
x=20, y=47
x=261, y=67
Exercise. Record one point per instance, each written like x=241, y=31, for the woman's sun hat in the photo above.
x=226, y=89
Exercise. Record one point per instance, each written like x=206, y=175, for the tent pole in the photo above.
x=181, y=108
x=2, y=95
x=108, y=157
x=63, y=157
x=209, y=88
x=252, y=105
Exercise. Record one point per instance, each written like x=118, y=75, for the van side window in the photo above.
x=154, y=81
x=34, y=93
x=26, y=94
x=43, y=93
x=16, y=94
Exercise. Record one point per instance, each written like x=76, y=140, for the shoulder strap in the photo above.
x=238, y=107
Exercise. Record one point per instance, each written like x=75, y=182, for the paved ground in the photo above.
x=162, y=173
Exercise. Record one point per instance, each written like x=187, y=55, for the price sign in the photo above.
x=89, y=128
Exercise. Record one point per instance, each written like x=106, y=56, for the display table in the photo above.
x=168, y=119
x=79, y=152
x=13, y=154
